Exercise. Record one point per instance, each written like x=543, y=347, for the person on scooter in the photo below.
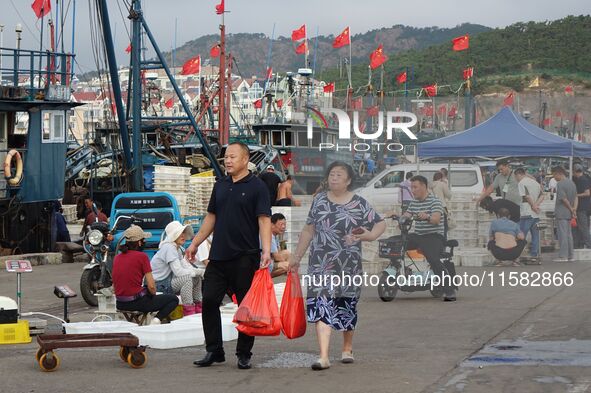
x=130, y=268
x=173, y=274
x=429, y=232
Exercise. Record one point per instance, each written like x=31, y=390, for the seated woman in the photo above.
x=130, y=268
x=506, y=239
x=172, y=272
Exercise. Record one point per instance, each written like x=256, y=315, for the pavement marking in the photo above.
x=533, y=353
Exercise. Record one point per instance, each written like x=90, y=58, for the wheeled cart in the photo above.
x=129, y=349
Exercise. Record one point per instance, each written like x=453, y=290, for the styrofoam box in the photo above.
x=99, y=327
x=169, y=335
x=229, y=332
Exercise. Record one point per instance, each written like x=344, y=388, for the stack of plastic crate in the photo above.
x=69, y=213
x=176, y=181
x=465, y=217
x=200, y=187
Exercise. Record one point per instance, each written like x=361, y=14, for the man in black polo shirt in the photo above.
x=238, y=213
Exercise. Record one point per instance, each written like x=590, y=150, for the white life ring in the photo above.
x=18, y=176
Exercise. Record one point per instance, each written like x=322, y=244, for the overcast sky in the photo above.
x=197, y=17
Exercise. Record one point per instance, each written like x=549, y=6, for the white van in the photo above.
x=384, y=188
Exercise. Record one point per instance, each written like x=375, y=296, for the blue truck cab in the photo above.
x=152, y=211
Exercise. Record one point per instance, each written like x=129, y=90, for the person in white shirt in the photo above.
x=169, y=267
x=531, y=199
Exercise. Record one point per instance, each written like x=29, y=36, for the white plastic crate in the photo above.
x=465, y=215
x=99, y=327
x=477, y=259
x=374, y=267
x=582, y=254
x=172, y=170
x=169, y=335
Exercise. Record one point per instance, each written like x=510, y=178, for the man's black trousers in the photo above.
x=220, y=276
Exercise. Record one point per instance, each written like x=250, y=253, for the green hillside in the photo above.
x=510, y=57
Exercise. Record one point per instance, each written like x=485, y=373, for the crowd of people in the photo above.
x=248, y=237
x=521, y=197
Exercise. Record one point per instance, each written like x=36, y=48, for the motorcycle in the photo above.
x=96, y=275
x=403, y=273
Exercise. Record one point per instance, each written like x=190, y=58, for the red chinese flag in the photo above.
x=215, y=51
x=547, y=122
x=342, y=39
x=569, y=90
x=508, y=101
x=220, y=8
x=429, y=110
x=192, y=66
x=442, y=109
x=169, y=103
x=302, y=48
x=431, y=90
x=373, y=111
x=41, y=7
x=279, y=103
x=299, y=34
x=468, y=73
x=329, y=87
x=128, y=49
x=357, y=103
x=258, y=104
x=452, y=112
x=461, y=43
x=269, y=73
x=377, y=57
x=401, y=78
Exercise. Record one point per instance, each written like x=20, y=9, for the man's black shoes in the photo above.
x=244, y=362
x=209, y=359
x=450, y=296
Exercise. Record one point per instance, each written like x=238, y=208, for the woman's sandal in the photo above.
x=347, y=357
x=320, y=364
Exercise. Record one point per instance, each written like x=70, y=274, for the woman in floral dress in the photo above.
x=337, y=223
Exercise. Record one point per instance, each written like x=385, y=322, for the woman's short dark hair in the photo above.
x=420, y=179
x=346, y=167
x=443, y=171
x=130, y=246
x=437, y=176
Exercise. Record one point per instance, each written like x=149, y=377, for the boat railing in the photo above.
x=5, y=186
x=34, y=71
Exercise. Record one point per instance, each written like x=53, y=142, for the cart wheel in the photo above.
x=49, y=361
x=123, y=352
x=39, y=353
x=137, y=358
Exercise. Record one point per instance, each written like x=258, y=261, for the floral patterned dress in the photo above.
x=328, y=300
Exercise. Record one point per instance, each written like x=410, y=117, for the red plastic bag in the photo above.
x=293, y=314
x=573, y=222
x=258, y=314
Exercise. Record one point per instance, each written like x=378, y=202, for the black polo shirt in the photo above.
x=237, y=207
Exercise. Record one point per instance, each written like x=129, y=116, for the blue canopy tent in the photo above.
x=506, y=134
